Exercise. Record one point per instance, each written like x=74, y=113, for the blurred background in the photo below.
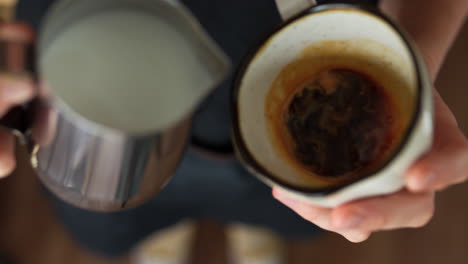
x=29, y=233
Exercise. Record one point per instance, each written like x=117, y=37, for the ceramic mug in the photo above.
x=346, y=35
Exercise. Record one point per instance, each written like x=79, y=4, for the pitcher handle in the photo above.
x=290, y=8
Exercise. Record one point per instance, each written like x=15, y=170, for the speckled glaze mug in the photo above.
x=350, y=35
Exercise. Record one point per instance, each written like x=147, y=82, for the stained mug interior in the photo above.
x=356, y=37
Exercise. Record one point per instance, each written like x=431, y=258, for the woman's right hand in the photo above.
x=14, y=91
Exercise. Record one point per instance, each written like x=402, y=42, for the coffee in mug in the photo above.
x=334, y=116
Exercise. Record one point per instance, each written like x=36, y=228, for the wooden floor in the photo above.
x=29, y=234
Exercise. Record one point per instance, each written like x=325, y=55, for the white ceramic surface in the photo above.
x=352, y=28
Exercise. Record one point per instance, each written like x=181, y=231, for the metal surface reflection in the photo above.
x=111, y=172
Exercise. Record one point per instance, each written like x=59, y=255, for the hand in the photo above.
x=445, y=165
x=13, y=91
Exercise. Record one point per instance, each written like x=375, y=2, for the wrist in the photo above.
x=432, y=26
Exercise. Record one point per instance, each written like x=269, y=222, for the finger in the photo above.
x=14, y=90
x=320, y=217
x=447, y=163
x=7, y=159
x=402, y=210
x=444, y=166
x=17, y=32
x=317, y=215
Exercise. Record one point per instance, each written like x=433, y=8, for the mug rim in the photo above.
x=247, y=158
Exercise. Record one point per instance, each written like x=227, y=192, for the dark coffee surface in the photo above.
x=339, y=122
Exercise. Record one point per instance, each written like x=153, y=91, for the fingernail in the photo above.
x=357, y=236
x=421, y=182
x=352, y=222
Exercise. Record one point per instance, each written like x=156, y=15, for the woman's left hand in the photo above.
x=445, y=165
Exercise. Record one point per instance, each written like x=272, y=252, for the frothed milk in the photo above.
x=127, y=70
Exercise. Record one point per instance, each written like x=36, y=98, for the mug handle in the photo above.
x=16, y=59
x=290, y=8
